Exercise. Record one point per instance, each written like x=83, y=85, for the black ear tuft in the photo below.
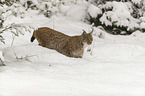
x=84, y=32
x=92, y=31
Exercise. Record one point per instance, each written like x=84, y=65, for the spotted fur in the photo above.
x=71, y=46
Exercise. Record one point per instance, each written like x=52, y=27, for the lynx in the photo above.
x=71, y=46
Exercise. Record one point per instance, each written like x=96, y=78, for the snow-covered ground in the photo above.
x=114, y=67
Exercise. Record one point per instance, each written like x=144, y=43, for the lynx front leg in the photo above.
x=77, y=56
x=70, y=52
x=78, y=53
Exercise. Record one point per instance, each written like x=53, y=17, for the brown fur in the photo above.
x=72, y=46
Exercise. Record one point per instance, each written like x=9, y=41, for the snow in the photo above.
x=79, y=9
x=94, y=11
x=142, y=25
x=114, y=67
x=120, y=15
x=1, y=58
x=137, y=1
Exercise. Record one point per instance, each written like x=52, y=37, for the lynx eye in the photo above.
x=89, y=40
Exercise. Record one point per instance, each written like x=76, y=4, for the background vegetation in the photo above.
x=118, y=17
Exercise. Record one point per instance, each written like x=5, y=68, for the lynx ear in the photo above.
x=92, y=31
x=84, y=32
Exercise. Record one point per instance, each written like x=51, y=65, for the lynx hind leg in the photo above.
x=43, y=45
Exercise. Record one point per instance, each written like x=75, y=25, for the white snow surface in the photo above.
x=116, y=66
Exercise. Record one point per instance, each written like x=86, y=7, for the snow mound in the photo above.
x=119, y=16
x=79, y=9
x=94, y=10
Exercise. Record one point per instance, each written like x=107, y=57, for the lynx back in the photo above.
x=71, y=46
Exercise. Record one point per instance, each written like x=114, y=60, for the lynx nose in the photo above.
x=89, y=43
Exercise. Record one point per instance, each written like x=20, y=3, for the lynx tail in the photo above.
x=32, y=38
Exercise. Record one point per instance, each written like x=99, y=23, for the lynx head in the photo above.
x=87, y=37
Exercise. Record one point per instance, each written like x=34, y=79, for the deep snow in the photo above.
x=114, y=68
